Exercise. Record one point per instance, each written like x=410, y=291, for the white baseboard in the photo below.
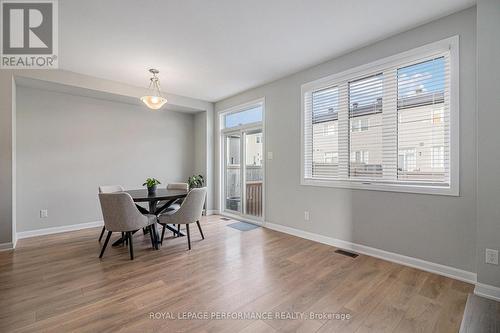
x=56, y=230
x=212, y=212
x=487, y=291
x=424, y=265
x=6, y=246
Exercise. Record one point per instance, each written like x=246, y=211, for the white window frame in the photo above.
x=427, y=51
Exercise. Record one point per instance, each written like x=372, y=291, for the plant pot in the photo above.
x=152, y=190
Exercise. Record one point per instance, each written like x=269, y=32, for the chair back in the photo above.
x=191, y=208
x=110, y=189
x=178, y=186
x=120, y=213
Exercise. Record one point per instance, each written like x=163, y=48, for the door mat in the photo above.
x=242, y=226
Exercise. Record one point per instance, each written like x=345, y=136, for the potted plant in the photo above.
x=151, y=184
x=196, y=181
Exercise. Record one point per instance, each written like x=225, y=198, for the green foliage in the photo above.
x=196, y=181
x=150, y=182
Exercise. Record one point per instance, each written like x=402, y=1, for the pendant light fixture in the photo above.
x=154, y=101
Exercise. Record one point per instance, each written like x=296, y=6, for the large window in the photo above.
x=390, y=125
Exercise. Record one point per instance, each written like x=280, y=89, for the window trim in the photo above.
x=408, y=57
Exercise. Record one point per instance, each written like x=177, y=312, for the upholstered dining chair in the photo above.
x=108, y=189
x=189, y=212
x=177, y=203
x=177, y=186
x=121, y=215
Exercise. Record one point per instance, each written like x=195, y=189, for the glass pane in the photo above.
x=233, y=181
x=423, y=122
x=243, y=117
x=253, y=175
x=325, y=133
x=365, y=127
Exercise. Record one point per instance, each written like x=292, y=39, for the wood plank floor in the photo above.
x=481, y=315
x=57, y=283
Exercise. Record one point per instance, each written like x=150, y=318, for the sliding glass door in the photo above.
x=232, y=159
x=254, y=176
x=242, y=153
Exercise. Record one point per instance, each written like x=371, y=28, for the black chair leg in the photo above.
x=178, y=230
x=129, y=234
x=163, y=234
x=155, y=236
x=150, y=228
x=189, y=236
x=105, y=244
x=199, y=228
x=102, y=233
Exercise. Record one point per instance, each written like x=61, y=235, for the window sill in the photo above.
x=386, y=187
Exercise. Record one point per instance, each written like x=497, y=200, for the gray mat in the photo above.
x=242, y=226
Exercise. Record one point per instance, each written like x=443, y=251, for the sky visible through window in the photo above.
x=425, y=77
x=243, y=117
x=325, y=104
x=421, y=78
x=366, y=91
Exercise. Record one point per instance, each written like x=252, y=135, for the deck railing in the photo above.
x=254, y=198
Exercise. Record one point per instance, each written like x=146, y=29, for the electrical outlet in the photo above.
x=491, y=256
x=306, y=215
x=270, y=155
x=44, y=213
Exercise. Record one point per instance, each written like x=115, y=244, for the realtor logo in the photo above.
x=29, y=34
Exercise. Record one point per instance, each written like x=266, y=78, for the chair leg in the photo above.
x=130, y=245
x=178, y=230
x=155, y=236
x=102, y=233
x=105, y=244
x=199, y=228
x=163, y=234
x=151, y=236
x=189, y=236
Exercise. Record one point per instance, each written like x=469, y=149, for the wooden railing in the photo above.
x=254, y=198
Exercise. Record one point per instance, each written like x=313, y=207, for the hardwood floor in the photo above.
x=481, y=315
x=57, y=283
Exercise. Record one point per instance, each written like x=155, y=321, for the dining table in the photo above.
x=158, y=202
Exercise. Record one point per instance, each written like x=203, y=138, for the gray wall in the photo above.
x=6, y=157
x=68, y=145
x=488, y=105
x=440, y=229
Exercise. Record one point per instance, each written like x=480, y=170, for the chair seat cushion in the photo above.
x=173, y=207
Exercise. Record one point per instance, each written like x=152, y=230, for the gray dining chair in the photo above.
x=177, y=203
x=108, y=189
x=177, y=186
x=189, y=212
x=121, y=215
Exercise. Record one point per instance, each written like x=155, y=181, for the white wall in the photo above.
x=440, y=229
x=488, y=105
x=68, y=145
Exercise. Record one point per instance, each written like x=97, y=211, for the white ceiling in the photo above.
x=214, y=49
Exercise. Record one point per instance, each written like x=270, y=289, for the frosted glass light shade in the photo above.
x=154, y=102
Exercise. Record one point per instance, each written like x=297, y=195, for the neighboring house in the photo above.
x=421, y=139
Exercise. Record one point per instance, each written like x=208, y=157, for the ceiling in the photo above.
x=214, y=49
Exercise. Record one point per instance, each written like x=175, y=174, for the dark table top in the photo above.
x=160, y=194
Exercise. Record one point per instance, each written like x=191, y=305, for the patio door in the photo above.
x=243, y=172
